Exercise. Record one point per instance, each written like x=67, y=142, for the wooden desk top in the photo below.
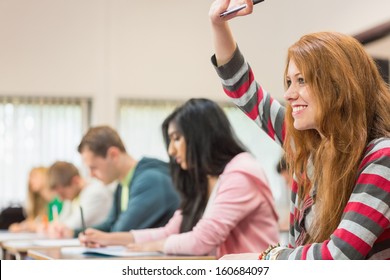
x=57, y=254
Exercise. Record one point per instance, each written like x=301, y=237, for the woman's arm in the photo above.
x=224, y=43
x=238, y=79
x=154, y=234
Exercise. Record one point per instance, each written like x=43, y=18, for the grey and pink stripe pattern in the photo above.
x=364, y=231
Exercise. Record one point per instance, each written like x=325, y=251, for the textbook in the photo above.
x=115, y=251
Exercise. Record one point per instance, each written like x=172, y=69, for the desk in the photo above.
x=17, y=249
x=6, y=236
x=57, y=254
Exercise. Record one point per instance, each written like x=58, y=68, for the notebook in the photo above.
x=116, y=251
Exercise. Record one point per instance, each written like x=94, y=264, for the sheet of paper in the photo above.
x=4, y=236
x=117, y=251
x=57, y=242
x=19, y=243
x=47, y=243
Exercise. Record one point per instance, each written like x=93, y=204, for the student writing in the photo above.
x=227, y=205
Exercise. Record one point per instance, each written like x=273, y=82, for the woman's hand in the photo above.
x=58, y=230
x=220, y=6
x=15, y=227
x=94, y=238
x=223, y=41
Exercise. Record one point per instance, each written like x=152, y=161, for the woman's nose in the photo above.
x=171, y=149
x=291, y=93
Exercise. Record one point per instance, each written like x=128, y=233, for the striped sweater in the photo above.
x=364, y=230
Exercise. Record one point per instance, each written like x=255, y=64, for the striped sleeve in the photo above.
x=239, y=85
x=364, y=231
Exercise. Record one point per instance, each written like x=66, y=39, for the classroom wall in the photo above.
x=107, y=49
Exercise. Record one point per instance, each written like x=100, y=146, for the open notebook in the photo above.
x=117, y=251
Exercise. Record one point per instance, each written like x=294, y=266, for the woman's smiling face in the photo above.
x=300, y=98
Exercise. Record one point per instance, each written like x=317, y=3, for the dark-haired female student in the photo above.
x=227, y=206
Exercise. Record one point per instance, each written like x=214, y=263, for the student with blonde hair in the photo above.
x=40, y=202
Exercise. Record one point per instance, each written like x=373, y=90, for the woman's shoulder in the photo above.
x=377, y=152
x=378, y=145
x=244, y=163
x=241, y=159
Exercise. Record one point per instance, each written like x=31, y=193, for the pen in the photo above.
x=82, y=220
x=238, y=8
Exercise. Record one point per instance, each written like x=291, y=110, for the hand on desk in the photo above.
x=94, y=238
x=15, y=227
x=147, y=246
x=24, y=226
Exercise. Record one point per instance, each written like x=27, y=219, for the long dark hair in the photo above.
x=211, y=144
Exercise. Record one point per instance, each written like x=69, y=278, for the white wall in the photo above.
x=152, y=49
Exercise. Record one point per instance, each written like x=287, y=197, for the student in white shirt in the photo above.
x=94, y=198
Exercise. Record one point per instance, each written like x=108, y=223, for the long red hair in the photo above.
x=354, y=108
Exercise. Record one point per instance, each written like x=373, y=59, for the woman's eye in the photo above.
x=176, y=137
x=288, y=83
x=301, y=81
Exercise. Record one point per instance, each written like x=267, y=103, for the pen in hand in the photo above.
x=82, y=220
x=238, y=8
x=83, y=225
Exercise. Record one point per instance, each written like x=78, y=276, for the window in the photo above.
x=140, y=126
x=37, y=132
